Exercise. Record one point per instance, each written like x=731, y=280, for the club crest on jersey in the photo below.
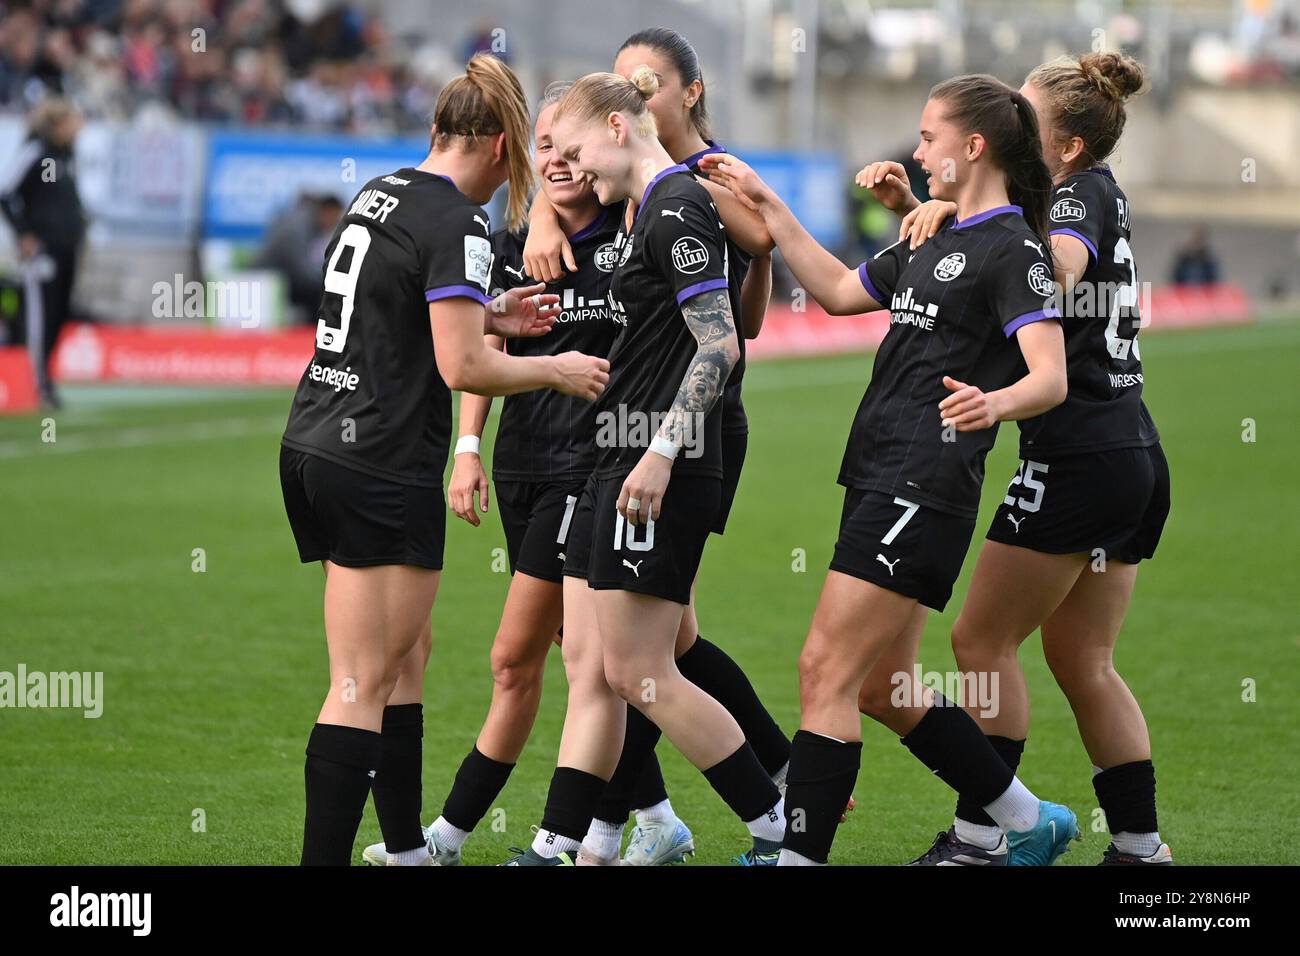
x=950, y=267
x=604, y=258
x=1068, y=210
x=1040, y=279
x=689, y=255
x=478, y=260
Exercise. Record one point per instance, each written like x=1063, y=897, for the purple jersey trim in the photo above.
x=870, y=286
x=708, y=285
x=1038, y=315
x=645, y=196
x=452, y=291
x=694, y=159
x=986, y=214
x=1092, y=250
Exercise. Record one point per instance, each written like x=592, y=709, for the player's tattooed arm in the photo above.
x=708, y=315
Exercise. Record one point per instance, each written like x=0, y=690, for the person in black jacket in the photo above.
x=38, y=195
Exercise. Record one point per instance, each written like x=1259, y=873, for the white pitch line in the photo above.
x=141, y=437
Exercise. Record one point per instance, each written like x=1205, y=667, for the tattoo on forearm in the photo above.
x=710, y=321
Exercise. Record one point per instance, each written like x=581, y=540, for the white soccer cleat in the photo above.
x=376, y=855
x=659, y=844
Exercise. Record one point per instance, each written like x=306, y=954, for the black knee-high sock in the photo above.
x=709, y=668
x=649, y=788
x=639, y=740
x=950, y=743
x=1010, y=751
x=818, y=786
x=397, y=787
x=743, y=784
x=1127, y=795
x=337, y=774
x=478, y=782
x=571, y=802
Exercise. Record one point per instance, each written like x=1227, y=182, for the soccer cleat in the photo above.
x=762, y=853
x=1113, y=857
x=948, y=850
x=531, y=857
x=1049, y=838
x=659, y=843
x=376, y=855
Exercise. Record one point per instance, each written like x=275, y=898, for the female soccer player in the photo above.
x=545, y=450
x=1091, y=495
x=944, y=377
x=636, y=539
x=401, y=322
x=682, y=121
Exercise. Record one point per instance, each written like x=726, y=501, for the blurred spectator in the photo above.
x=1195, y=263
x=295, y=247
x=38, y=195
x=306, y=63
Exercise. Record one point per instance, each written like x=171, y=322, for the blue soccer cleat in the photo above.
x=1049, y=838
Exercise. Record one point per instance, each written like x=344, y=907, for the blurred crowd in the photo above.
x=311, y=63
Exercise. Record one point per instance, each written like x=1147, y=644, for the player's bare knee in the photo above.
x=516, y=671
x=875, y=700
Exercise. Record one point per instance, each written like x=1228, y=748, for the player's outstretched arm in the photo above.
x=468, y=365
x=743, y=222
x=755, y=294
x=888, y=182
x=1043, y=346
x=708, y=315
x=833, y=284
x=467, y=475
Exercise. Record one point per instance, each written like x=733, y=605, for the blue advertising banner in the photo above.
x=251, y=176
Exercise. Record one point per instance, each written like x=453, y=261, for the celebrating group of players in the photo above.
x=612, y=313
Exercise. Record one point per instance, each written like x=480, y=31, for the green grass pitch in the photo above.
x=213, y=679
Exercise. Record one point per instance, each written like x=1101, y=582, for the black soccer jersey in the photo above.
x=676, y=250
x=371, y=398
x=955, y=305
x=733, y=409
x=545, y=435
x=1102, y=316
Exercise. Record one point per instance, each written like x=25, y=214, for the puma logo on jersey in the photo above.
x=1034, y=245
x=1015, y=521
x=636, y=568
x=484, y=223
x=888, y=564
x=1067, y=189
x=517, y=273
x=669, y=212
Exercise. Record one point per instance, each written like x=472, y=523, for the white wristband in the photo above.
x=467, y=444
x=662, y=446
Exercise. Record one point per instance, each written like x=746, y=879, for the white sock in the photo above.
x=1016, y=810
x=791, y=858
x=661, y=812
x=414, y=857
x=549, y=845
x=770, y=825
x=1136, y=844
x=604, y=840
x=778, y=778
x=448, y=836
x=986, y=838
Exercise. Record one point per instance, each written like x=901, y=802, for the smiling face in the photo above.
x=594, y=154
x=559, y=183
x=671, y=105
x=945, y=152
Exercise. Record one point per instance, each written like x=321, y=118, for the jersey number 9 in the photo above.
x=343, y=284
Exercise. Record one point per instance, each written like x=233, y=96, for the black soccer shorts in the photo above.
x=537, y=517
x=904, y=547
x=659, y=558
x=1113, y=502
x=357, y=520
